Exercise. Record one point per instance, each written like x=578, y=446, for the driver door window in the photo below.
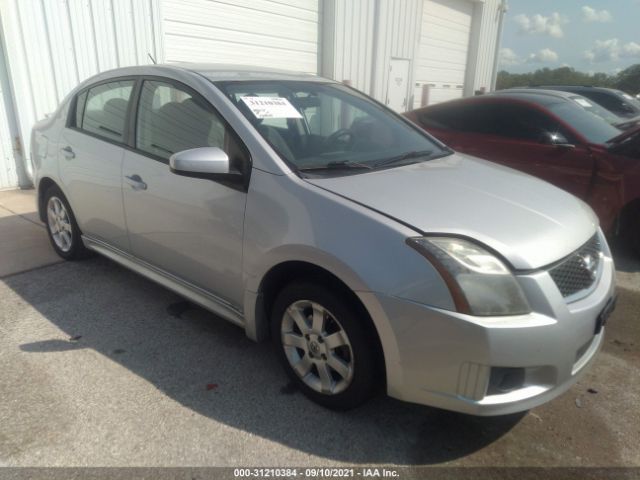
x=523, y=123
x=172, y=119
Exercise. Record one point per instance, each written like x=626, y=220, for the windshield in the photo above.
x=316, y=126
x=596, y=109
x=629, y=99
x=592, y=127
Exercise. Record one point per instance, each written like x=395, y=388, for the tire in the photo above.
x=633, y=231
x=334, y=365
x=64, y=234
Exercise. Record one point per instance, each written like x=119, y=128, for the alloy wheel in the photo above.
x=59, y=224
x=317, y=347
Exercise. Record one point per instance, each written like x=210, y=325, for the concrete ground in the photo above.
x=100, y=367
x=22, y=243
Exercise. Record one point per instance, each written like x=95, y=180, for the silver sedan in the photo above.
x=373, y=256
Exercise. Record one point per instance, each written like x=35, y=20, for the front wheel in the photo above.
x=324, y=345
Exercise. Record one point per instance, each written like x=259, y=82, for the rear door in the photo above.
x=91, y=155
x=188, y=227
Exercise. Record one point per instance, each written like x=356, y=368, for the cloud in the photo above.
x=509, y=58
x=545, y=55
x=541, y=25
x=590, y=15
x=611, y=50
x=631, y=49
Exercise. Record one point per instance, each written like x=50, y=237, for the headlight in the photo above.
x=479, y=282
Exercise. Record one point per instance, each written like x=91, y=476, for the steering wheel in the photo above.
x=337, y=135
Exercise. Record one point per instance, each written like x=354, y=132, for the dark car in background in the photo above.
x=553, y=139
x=616, y=101
x=623, y=123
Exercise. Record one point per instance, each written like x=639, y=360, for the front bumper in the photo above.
x=491, y=365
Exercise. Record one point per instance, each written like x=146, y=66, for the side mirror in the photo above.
x=204, y=162
x=556, y=139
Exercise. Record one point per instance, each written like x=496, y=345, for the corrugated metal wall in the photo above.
x=348, y=46
x=8, y=167
x=278, y=34
x=398, y=34
x=444, y=49
x=52, y=45
x=483, y=46
x=361, y=36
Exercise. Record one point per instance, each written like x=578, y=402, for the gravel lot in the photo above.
x=101, y=367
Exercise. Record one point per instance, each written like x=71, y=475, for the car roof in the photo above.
x=540, y=98
x=536, y=91
x=578, y=88
x=229, y=72
x=524, y=96
x=211, y=71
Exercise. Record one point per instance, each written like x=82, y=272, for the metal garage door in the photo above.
x=279, y=34
x=444, y=45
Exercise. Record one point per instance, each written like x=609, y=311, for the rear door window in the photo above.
x=105, y=110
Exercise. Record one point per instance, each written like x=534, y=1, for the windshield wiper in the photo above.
x=338, y=165
x=403, y=157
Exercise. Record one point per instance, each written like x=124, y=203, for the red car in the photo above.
x=553, y=139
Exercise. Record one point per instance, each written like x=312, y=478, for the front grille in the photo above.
x=579, y=270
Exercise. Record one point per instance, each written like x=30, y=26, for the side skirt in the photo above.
x=196, y=294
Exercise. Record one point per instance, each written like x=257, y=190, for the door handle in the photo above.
x=136, y=182
x=68, y=152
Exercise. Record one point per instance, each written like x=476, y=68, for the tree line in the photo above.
x=627, y=80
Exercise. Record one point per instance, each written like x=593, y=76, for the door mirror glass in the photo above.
x=200, y=162
x=554, y=138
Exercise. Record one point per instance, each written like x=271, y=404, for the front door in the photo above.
x=191, y=228
x=519, y=136
x=398, y=87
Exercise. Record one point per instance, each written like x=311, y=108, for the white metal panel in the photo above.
x=54, y=44
x=444, y=47
x=484, y=46
x=8, y=167
x=279, y=34
x=361, y=37
x=350, y=49
x=398, y=87
x=397, y=35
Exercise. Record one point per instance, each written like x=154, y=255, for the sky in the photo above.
x=588, y=35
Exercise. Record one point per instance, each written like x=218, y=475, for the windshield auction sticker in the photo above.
x=583, y=102
x=271, y=107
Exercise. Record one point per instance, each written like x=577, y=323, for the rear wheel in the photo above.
x=323, y=345
x=62, y=228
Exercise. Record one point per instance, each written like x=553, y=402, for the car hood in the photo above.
x=624, y=135
x=528, y=221
x=628, y=123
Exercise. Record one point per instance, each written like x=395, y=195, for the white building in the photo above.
x=405, y=53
